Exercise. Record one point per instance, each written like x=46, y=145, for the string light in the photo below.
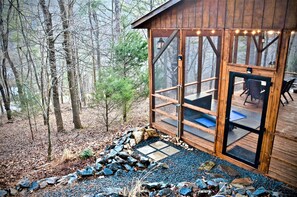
x=258, y=31
x=245, y=32
x=270, y=32
x=213, y=31
x=198, y=32
x=237, y=31
x=253, y=32
x=292, y=32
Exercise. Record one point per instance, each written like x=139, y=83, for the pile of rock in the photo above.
x=218, y=187
x=215, y=187
x=117, y=157
x=176, y=141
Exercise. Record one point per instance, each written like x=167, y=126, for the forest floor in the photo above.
x=21, y=156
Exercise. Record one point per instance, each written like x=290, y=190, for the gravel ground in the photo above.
x=183, y=166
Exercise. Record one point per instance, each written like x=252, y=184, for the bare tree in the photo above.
x=67, y=45
x=117, y=14
x=52, y=61
x=6, y=102
x=5, y=34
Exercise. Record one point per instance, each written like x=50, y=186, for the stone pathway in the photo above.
x=158, y=150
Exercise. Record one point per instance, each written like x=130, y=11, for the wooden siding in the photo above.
x=217, y=14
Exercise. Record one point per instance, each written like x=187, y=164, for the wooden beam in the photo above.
x=222, y=102
x=259, y=53
x=256, y=43
x=248, y=50
x=165, y=128
x=213, y=46
x=235, y=49
x=202, y=128
x=163, y=105
x=224, y=55
x=168, y=41
x=199, y=65
x=202, y=81
x=211, y=90
x=181, y=82
x=270, y=43
x=188, y=84
x=166, y=89
x=200, y=109
x=165, y=98
x=218, y=67
x=151, y=78
x=197, y=142
x=165, y=114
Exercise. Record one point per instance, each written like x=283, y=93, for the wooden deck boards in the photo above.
x=287, y=118
x=283, y=165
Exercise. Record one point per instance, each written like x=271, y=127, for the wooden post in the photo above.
x=235, y=49
x=151, y=77
x=273, y=103
x=199, y=69
x=181, y=83
x=248, y=50
x=218, y=65
x=222, y=102
x=259, y=50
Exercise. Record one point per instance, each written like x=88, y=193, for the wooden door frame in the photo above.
x=277, y=76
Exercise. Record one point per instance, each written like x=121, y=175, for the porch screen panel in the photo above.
x=200, y=105
x=255, y=47
x=165, y=84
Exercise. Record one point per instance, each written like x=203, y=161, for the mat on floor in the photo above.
x=233, y=136
x=210, y=121
x=242, y=153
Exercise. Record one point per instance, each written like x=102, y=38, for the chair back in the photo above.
x=284, y=87
x=289, y=85
x=255, y=88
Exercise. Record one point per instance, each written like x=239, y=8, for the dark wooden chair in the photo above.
x=254, y=91
x=286, y=86
x=246, y=89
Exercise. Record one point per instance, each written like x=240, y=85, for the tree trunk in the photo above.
x=97, y=35
x=62, y=83
x=92, y=45
x=106, y=115
x=4, y=35
x=43, y=99
x=53, y=67
x=117, y=20
x=70, y=69
x=6, y=103
x=1, y=106
x=49, y=147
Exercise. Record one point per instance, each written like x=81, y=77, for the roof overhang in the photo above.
x=139, y=22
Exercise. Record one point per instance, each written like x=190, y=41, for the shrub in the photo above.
x=86, y=153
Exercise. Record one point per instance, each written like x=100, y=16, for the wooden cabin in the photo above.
x=217, y=73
